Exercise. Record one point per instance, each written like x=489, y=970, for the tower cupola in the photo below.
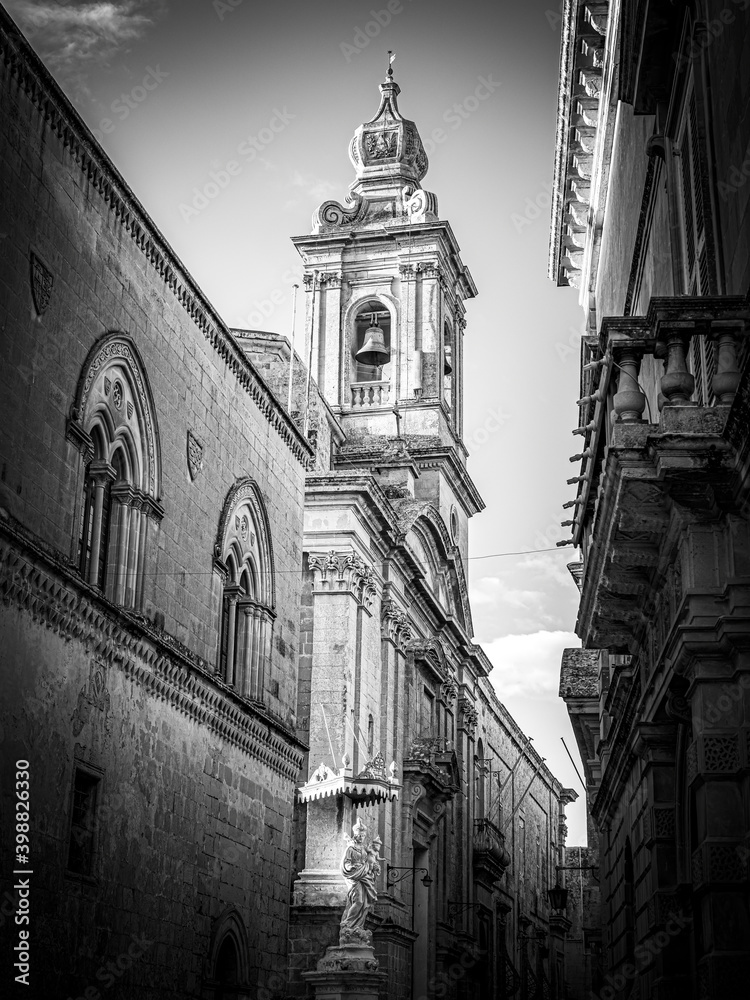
x=387, y=150
x=390, y=162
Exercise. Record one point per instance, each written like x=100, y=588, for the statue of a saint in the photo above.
x=360, y=865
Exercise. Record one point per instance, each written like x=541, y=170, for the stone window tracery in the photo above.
x=246, y=565
x=113, y=424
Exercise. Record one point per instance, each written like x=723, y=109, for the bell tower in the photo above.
x=385, y=319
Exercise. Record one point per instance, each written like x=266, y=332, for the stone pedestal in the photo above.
x=347, y=972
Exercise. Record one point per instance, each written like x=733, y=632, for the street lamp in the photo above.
x=391, y=878
x=558, y=896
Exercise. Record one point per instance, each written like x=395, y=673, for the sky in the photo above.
x=231, y=123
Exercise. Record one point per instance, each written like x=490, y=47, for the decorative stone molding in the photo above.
x=420, y=205
x=395, y=625
x=344, y=572
x=331, y=214
x=428, y=269
x=160, y=665
x=449, y=691
x=467, y=716
x=332, y=278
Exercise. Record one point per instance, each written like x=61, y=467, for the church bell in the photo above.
x=447, y=366
x=373, y=351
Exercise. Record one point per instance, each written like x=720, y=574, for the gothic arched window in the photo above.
x=245, y=564
x=113, y=424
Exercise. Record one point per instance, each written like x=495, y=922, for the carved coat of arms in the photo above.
x=194, y=455
x=380, y=145
x=41, y=283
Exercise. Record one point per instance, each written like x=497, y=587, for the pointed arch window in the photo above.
x=245, y=567
x=113, y=425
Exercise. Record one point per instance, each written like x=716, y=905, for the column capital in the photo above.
x=101, y=472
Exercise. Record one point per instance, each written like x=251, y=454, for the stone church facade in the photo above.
x=223, y=617
x=650, y=222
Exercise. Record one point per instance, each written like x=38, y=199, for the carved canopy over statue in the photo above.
x=360, y=865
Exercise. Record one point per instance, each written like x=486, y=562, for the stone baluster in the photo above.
x=677, y=384
x=727, y=377
x=629, y=401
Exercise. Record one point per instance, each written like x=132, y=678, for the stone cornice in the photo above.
x=40, y=583
x=321, y=486
x=410, y=233
x=457, y=475
x=585, y=119
x=125, y=209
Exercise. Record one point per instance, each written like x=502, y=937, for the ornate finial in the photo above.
x=389, y=74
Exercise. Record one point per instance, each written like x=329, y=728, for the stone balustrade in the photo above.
x=370, y=394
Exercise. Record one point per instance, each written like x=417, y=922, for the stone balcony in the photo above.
x=641, y=479
x=490, y=856
x=431, y=762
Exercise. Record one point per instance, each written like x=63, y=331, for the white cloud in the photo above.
x=72, y=38
x=550, y=566
x=313, y=187
x=528, y=665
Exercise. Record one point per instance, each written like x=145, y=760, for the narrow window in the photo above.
x=83, y=823
x=94, y=537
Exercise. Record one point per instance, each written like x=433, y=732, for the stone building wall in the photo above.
x=161, y=795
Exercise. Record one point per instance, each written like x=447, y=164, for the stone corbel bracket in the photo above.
x=395, y=625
